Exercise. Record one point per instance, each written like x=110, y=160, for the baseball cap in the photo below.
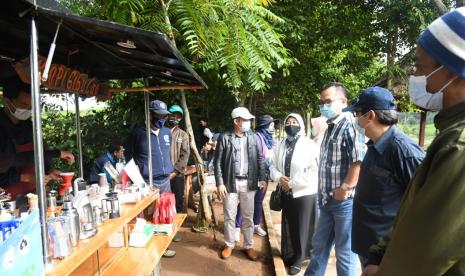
x=374, y=98
x=264, y=120
x=176, y=108
x=241, y=112
x=158, y=107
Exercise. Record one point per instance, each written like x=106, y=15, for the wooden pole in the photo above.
x=157, y=88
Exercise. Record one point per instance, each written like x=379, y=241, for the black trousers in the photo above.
x=177, y=187
x=297, y=227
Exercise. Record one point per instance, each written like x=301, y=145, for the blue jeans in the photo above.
x=334, y=227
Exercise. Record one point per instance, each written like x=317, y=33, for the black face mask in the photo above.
x=173, y=122
x=292, y=130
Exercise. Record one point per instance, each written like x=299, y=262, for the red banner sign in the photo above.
x=64, y=79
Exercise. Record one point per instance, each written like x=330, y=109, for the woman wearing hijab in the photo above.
x=294, y=166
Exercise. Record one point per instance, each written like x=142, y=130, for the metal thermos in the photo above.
x=98, y=215
x=52, y=200
x=72, y=214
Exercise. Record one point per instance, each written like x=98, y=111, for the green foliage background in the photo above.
x=273, y=58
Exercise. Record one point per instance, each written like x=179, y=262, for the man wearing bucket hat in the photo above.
x=429, y=230
x=239, y=166
x=386, y=170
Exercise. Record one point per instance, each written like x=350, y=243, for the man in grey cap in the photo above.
x=265, y=126
x=429, y=230
x=239, y=166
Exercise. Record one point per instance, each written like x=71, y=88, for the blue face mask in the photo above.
x=328, y=111
x=158, y=123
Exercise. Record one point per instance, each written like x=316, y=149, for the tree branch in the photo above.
x=440, y=5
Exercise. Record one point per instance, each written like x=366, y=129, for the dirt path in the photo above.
x=198, y=254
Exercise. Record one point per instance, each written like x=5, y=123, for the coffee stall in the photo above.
x=57, y=51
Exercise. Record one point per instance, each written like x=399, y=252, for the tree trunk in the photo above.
x=308, y=116
x=205, y=212
x=241, y=101
x=391, y=59
x=441, y=7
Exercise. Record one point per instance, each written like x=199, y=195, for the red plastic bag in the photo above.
x=124, y=180
x=164, y=210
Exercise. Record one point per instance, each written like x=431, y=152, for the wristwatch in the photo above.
x=346, y=187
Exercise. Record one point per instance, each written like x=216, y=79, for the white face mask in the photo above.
x=423, y=98
x=245, y=126
x=20, y=114
x=360, y=129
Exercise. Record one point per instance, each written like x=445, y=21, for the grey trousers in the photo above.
x=230, y=202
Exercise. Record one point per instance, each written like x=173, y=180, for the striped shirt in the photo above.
x=342, y=145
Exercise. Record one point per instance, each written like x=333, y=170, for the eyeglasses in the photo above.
x=360, y=113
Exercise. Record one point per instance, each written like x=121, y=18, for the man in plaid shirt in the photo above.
x=342, y=152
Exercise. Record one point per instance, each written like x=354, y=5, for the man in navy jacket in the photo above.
x=115, y=151
x=137, y=147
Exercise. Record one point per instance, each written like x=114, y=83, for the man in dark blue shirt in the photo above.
x=389, y=163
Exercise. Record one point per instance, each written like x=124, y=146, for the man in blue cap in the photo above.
x=386, y=170
x=137, y=147
x=429, y=230
x=160, y=137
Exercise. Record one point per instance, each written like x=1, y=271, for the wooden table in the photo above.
x=84, y=254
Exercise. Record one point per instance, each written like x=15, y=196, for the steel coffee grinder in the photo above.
x=110, y=205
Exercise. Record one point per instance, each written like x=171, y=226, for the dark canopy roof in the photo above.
x=90, y=45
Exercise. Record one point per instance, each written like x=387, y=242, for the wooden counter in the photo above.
x=83, y=253
x=141, y=261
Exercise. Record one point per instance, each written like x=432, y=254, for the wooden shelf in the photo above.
x=141, y=261
x=87, y=248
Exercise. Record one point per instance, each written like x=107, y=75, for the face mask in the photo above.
x=158, y=123
x=358, y=128
x=20, y=114
x=329, y=110
x=423, y=98
x=173, y=122
x=245, y=126
x=271, y=128
x=292, y=130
